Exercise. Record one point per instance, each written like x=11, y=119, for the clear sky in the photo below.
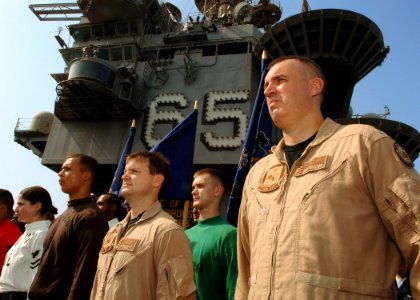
x=29, y=54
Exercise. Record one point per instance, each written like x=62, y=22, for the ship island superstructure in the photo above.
x=136, y=59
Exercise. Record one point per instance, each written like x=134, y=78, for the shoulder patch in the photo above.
x=403, y=155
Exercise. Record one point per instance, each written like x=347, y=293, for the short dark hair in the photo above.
x=158, y=164
x=308, y=62
x=35, y=194
x=86, y=162
x=218, y=175
x=6, y=197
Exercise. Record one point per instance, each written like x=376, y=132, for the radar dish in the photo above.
x=265, y=14
x=243, y=12
x=172, y=16
x=211, y=7
x=225, y=10
x=173, y=11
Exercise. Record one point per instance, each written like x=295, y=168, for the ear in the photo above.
x=158, y=180
x=38, y=206
x=87, y=176
x=316, y=86
x=218, y=190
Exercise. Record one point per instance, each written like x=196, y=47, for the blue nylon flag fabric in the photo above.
x=178, y=147
x=117, y=181
x=257, y=144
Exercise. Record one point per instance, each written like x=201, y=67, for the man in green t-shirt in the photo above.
x=212, y=240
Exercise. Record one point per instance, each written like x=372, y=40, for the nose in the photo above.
x=193, y=191
x=268, y=90
x=124, y=175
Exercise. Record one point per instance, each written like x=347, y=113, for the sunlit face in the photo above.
x=71, y=177
x=288, y=94
x=203, y=191
x=137, y=180
x=26, y=211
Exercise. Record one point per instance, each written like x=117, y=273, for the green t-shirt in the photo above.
x=213, y=246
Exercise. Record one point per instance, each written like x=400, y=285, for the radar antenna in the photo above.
x=305, y=6
x=59, y=39
x=387, y=112
x=385, y=115
x=59, y=30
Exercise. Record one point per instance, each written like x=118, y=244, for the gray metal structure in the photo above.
x=135, y=59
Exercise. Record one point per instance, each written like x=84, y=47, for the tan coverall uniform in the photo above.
x=334, y=226
x=152, y=260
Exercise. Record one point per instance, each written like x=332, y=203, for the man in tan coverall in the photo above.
x=334, y=211
x=147, y=255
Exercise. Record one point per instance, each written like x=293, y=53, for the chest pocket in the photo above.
x=320, y=169
x=128, y=249
x=321, y=174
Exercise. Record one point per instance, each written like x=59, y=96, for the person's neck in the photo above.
x=82, y=195
x=38, y=218
x=206, y=214
x=138, y=206
x=302, y=131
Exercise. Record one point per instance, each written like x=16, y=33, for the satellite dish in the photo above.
x=173, y=11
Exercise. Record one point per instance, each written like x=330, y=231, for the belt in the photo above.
x=13, y=296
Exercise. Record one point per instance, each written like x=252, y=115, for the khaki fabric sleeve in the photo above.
x=243, y=248
x=175, y=269
x=396, y=188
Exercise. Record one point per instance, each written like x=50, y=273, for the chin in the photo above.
x=125, y=192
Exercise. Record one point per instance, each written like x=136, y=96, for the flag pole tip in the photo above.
x=264, y=55
x=133, y=123
x=196, y=104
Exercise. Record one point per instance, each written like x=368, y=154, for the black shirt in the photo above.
x=295, y=151
x=71, y=250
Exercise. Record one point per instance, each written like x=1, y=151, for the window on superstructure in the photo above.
x=232, y=48
x=116, y=53
x=122, y=28
x=128, y=53
x=103, y=53
x=81, y=33
x=109, y=29
x=133, y=27
x=97, y=31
